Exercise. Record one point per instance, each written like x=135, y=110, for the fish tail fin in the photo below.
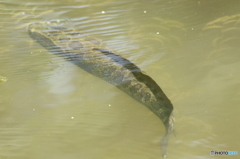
x=165, y=139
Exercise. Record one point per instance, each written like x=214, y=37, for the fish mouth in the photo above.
x=33, y=27
x=45, y=27
x=45, y=31
x=36, y=29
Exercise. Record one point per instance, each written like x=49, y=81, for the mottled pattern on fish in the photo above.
x=92, y=56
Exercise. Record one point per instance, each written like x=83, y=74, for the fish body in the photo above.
x=91, y=55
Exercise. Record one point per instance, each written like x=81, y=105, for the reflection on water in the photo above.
x=3, y=79
x=51, y=109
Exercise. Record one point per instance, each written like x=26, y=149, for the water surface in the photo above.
x=50, y=108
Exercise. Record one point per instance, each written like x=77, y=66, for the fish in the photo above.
x=91, y=55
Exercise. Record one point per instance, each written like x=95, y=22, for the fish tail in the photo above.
x=165, y=139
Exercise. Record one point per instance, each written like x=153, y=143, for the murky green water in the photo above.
x=50, y=108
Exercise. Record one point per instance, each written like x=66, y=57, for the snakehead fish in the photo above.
x=91, y=55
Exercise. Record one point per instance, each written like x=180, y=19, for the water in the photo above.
x=52, y=109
